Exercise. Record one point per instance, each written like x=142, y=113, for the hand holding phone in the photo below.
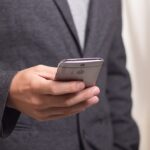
x=34, y=92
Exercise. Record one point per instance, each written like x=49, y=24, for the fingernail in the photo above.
x=96, y=91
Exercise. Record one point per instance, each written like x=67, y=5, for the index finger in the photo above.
x=59, y=87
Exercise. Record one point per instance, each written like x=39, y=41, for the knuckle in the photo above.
x=34, y=85
x=40, y=66
x=31, y=85
x=87, y=94
x=53, y=89
x=37, y=104
x=25, y=89
x=72, y=87
x=68, y=103
x=88, y=102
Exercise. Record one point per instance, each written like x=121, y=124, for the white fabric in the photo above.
x=137, y=40
x=79, y=10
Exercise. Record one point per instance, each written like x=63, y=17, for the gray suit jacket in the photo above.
x=36, y=32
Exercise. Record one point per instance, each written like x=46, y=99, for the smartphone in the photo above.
x=79, y=69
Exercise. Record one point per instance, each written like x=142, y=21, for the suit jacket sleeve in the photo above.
x=125, y=131
x=8, y=116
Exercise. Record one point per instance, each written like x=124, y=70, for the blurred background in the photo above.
x=136, y=34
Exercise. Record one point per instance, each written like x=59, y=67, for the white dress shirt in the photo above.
x=79, y=10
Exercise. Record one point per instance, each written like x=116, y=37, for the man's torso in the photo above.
x=34, y=32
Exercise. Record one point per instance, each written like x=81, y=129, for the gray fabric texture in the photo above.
x=34, y=32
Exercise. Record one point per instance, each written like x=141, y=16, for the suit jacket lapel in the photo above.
x=97, y=26
x=64, y=10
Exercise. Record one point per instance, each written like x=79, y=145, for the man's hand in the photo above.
x=35, y=93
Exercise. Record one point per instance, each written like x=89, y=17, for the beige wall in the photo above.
x=136, y=34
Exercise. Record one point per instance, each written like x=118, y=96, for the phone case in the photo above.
x=86, y=70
